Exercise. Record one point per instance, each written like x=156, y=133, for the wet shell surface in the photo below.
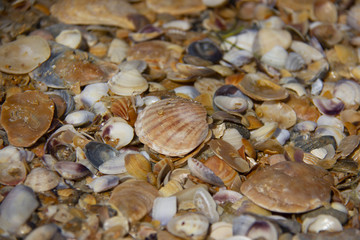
x=172, y=127
x=26, y=117
x=23, y=55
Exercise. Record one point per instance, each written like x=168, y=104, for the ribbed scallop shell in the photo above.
x=172, y=127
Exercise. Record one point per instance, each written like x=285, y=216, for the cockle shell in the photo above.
x=23, y=55
x=172, y=127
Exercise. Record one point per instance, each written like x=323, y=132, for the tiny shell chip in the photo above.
x=26, y=117
x=113, y=12
x=289, y=187
x=175, y=7
x=23, y=55
x=172, y=127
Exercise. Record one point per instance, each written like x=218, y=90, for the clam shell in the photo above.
x=117, y=50
x=208, y=85
x=12, y=166
x=71, y=170
x=276, y=57
x=137, y=165
x=79, y=118
x=226, y=173
x=266, y=39
x=294, y=62
x=259, y=88
x=307, y=52
x=41, y=180
x=69, y=37
x=174, y=7
x=278, y=112
x=164, y=209
x=172, y=127
x=117, y=132
x=206, y=205
x=189, y=225
x=23, y=55
x=128, y=83
x=199, y=170
x=97, y=153
x=103, y=183
x=322, y=222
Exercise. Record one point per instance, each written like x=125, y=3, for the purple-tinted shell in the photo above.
x=329, y=106
x=71, y=170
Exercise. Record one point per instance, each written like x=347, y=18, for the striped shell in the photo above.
x=172, y=127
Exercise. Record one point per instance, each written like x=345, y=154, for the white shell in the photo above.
x=244, y=41
x=114, y=166
x=231, y=103
x=274, y=22
x=221, y=230
x=322, y=222
x=307, y=52
x=214, y=3
x=237, y=57
x=79, y=118
x=348, y=92
x=330, y=131
x=178, y=24
x=93, y=93
x=103, y=183
x=117, y=132
x=330, y=121
x=117, y=50
x=282, y=135
x=164, y=208
x=232, y=136
x=317, y=86
x=70, y=38
x=296, y=87
x=128, y=83
x=190, y=91
x=263, y=133
x=189, y=225
x=276, y=57
x=294, y=62
x=206, y=205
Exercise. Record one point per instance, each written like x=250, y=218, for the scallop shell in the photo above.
x=172, y=127
x=23, y=55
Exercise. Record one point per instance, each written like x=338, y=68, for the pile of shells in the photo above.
x=167, y=119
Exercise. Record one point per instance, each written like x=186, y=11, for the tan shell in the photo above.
x=226, y=173
x=266, y=39
x=259, y=88
x=113, y=12
x=26, y=117
x=172, y=127
x=278, y=112
x=286, y=187
x=175, y=7
x=137, y=165
x=42, y=179
x=133, y=199
x=23, y=55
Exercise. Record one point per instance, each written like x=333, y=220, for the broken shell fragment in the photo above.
x=172, y=127
x=26, y=117
x=206, y=205
x=23, y=55
x=104, y=183
x=97, y=153
x=266, y=187
x=128, y=83
x=12, y=166
x=164, y=209
x=189, y=225
x=176, y=7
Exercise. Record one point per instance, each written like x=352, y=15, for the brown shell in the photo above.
x=226, y=173
x=175, y=7
x=172, y=127
x=289, y=187
x=26, y=117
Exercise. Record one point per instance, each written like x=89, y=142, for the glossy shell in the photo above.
x=172, y=127
x=26, y=117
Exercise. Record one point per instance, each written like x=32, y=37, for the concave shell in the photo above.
x=137, y=165
x=259, y=88
x=189, y=226
x=221, y=169
x=276, y=57
x=307, y=52
x=133, y=199
x=328, y=106
x=172, y=127
x=114, y=12
x=199, y=170
x=348, y=92
x=208, y=85
x=117, y=132
x=12, y=166
x=23, y=55
x=67, y=67
x=322, y=222
x=278, y=112
x=353, y=17
x=128, y=83
x=286, y=187
x=41, y=179
x=26, y=117
x=205, y=49
x=71, y=170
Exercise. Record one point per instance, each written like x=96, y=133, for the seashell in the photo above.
x=305, y=126
x=128, y=83
x=214, y=3
x=12, y=166
x=117, y=226
x=146, y=33
x=17, y=207
x=172, y=127
x=221, y=169
x=244, y=40
x=308, y=144
x=276, y=57
x=189, y=225
x=316, y=87
x=267, y=38
x=348, y=92
x=114, y=13
x=23, y=55
x=92, y=93
x=274, y=22
x=232, y=136
x=205, y=204
x=117, y=132
x=164, y=209
x=207, y=85
x=139, y=65
x=189, y=91
x=224, y=196
x=115, y=165
x=221, y=230
x=133, y=199
x=330, y=121
x=117, y=50
x=322, y=222
x=71, y=170
x=347, y=145
x=199, y=170
x=69, y=101
x=104, y=183
x=124, y=107
x=229, y=154
x=242, y=224
x=326, y=12
x=45, y=232
x=97, y=153
x=278, y=112
x=231, y=104
x=294, y=62
x=296, y=87
x=188, y=72
x=353, y=17
x=175, y=7
x=314, y=71
x=137, y=166
x=26, y=117
x=328, y=34
x=264, y=133
x=303, y=194
x=184, y=25
x=336, y=133
x=237, y=57
x=307, y=52
x=170, y=188
x=328, y=106
x=282, y=135
x=41, y=180
x=79, y=118
x=249, y=226
x=259, y=88
x=205, y=49
x=67, y=67
x=70, y=38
